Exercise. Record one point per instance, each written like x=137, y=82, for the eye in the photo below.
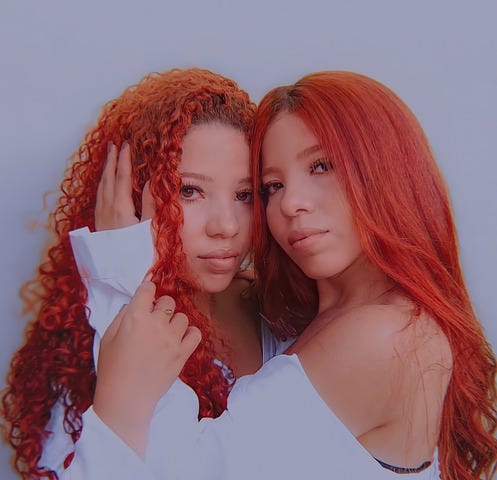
x=245, y=196
x=190, y=192
x=270, y=188
x=320, y=166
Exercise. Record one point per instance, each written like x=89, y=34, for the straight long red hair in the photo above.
x=400, y=203
x=56, y=361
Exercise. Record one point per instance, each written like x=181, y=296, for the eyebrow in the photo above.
x=206, y=178
x=197, y=176
x=306, y=152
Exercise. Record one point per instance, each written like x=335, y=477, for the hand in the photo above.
x=115, y=207
x=141, y=354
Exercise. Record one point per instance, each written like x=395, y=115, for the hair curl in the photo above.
x=397, y=195
x=56, y=360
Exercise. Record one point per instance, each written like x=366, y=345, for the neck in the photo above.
x=218, y=307
x=203, y=303
x=359, y=284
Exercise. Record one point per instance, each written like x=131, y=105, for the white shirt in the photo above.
x=112, y=264
x=276, y=425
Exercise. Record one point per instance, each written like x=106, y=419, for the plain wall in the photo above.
x=60, y=61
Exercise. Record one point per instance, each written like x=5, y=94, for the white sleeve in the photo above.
x=58, y=445
x=111, y=263
x=100, y=454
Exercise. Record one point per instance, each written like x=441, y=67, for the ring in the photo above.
x=167, y=311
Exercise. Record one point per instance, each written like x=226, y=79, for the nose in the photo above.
x=296, y=198
x=223, y=221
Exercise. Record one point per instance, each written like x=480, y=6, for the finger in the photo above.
x=112, y=329
x=190, y=341
x=148, y=203
x=124, y=184
x=105, y=189
x=143, y=299
x=179, y=325
x=247, y=274
x=165, y=305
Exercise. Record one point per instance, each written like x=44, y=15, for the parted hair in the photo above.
x=400, y=204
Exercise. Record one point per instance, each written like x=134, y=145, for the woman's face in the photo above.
x=307, y=212
x=216, y=197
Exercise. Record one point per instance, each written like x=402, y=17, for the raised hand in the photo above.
x=114, y=207
x=141, y=354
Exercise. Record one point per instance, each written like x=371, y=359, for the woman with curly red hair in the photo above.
x=184, y=135
x=356, y=251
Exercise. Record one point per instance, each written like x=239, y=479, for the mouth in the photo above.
x=220, y=261
x=297, y=237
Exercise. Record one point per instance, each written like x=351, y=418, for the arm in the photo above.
x=277, y=425
x=114, y=260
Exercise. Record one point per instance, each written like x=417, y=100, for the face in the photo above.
x=216, y=197
x=307, y=212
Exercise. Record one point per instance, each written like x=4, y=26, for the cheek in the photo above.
x=244, y=214
x=274, y=221
x=192, y=228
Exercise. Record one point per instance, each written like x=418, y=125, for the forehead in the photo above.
x=212, y=147
x=288, y=136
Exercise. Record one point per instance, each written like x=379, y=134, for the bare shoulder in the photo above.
x=391, y=332
x=365, y=360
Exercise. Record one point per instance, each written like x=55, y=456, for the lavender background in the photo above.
x=60, y=61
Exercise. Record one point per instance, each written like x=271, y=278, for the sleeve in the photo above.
x=111, y=263
x=100, y=454
x=58, y=446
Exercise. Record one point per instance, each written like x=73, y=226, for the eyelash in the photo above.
x=244, y=196
x=320, y=162
x=187, y=187
x=266, y=188
x=249, y=196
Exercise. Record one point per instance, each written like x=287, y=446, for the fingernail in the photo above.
x=109, y=146
x=148, y=277
x=123, y=306
x=124, y=145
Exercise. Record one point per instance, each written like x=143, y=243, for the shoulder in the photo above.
x=365, y=361
x=394, y=332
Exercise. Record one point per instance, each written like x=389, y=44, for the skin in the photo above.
x=216, y=199
x=383, y=375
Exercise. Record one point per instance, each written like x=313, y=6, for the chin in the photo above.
x=215, y=283
x=318, y=270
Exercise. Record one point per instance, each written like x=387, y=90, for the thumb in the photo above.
x=190, y=341
x=148, y=203
x=113, y=328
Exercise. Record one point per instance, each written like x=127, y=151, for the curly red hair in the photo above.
x=382, y=158
x=56, y=360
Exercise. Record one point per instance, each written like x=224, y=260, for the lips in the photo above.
x=220, y=261
x=219, y=254
x=296, y=236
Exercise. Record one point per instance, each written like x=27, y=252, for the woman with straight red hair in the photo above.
x=356, y=252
